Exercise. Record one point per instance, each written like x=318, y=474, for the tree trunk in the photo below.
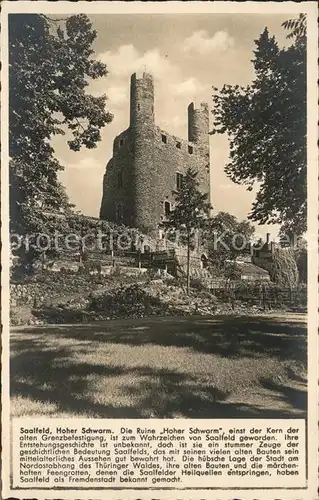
x=188, y=265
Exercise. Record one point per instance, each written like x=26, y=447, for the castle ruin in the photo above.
x=148, y=163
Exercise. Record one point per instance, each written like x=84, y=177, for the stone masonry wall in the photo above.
x=114, y=191
x=170, y=160
x=143, y=131
x=148, y=160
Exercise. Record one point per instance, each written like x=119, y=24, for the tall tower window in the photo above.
x=190, y=150
x=179, y=180
x=119, y=212
x=121, y=142
x=167, y=208
x=164, y=138
x=119, y=180
x=138, y=107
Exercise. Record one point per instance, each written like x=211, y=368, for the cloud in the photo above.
x=84, y=163
x=117, y=95
x=190, y=87
x=201, y=42
x=127, y=60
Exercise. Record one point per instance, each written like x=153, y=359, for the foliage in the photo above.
x=190, y=213
x=282, y=267
x=227, y=238
x=191, y=207
x=130, y=302
x=301, y=256
x=231, y=271
x=73, y=236
x=302, y=265
x=297, y=27
x=266, y=125
x=298, y=245
x=50, y=66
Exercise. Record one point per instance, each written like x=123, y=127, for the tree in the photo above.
x=282, y=268
x=300, y=252
x=190, y=213
x=266, y=125
x=297, y=27
x=227, y=239
x=49, y=69
x=301, y=257
x=231, y=272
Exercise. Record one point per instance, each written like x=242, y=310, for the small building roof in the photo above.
x=248, y=268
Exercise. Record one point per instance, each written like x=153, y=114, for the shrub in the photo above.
x=129, y=302
x=198, y=284
x=116, y=271
x=282, y=268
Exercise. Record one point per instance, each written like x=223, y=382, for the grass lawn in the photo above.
x=190, y=367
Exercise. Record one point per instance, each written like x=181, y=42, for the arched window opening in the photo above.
x=119, y=180
x=204, y=260
x=179, y=180
x=119, y=212
x=167, y=208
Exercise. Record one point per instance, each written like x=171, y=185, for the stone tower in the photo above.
x=198, y=133
x=142, y=126
x=148, y=163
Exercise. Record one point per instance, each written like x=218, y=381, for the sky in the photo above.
x=187, y=54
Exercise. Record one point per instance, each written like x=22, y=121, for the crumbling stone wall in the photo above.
x=170, y=160
x=147, y=159
x=118, y=181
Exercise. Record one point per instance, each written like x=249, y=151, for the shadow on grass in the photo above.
x=51, y=377
x=47, y=374
x=296, y=398
x=229, y=336
x=38, y=376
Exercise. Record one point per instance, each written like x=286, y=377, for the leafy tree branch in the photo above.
x=266, y=125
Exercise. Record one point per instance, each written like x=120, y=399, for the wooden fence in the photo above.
x=271, y=297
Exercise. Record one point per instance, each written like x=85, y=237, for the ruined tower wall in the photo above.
x=142, y=126
x=149, y=159
x=171, y=158
x=117, y=200
x=198, y=133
